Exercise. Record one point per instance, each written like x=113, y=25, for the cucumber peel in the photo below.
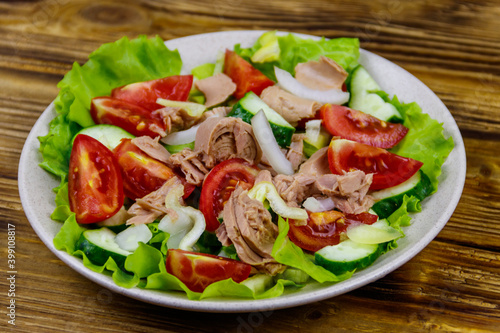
x=251, y=104
x=389, y=204
x=99, y=244
x=347, y=256
x=364, y=97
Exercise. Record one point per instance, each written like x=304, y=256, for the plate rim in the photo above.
x=228, y=305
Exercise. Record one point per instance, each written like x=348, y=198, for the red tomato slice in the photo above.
x=389, y=169
x=361, y=127
x=324, y=228
x=220, y=183
x=132, y=118
x=244, y=75
x=141, y=173
x=198, y=270
x=94, y=182
x=146, y=93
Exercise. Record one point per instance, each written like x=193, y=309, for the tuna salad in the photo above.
x=273, y=167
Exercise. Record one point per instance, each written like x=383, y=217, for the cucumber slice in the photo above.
x=315, y=138
x=99, y=244
x=258, y=283
x=293, y=274
x=250, y=104
x=376, y=233
x=390, y=199
x=364, y=98
x=172, y=149
x=129, y=238
x=347, y=256
x=108, y=135
x=116, y=223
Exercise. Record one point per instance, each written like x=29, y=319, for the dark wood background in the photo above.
x=452, y=46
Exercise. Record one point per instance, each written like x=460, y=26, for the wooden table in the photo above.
x=452, y=46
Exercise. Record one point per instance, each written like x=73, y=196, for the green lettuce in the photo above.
x=127, y=61
x=112, y=65
x=424, y=142
x=145, y=268
x=294, y=50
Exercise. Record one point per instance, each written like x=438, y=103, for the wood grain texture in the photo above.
x=453, y=46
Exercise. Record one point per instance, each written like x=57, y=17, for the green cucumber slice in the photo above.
x=108, y=135
x=347, y=256
x=390, y=199
x=313, y=144
x=129, y=238
x=293, y=274
x=364, y=98
x=258, y=283
x=376, y=233
x=99, y=244
x=172, y=149
x=250, y=104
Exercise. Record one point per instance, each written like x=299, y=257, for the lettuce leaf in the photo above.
x=112, y=65
x=146, y=269
x=424, y=142
x=294, y=50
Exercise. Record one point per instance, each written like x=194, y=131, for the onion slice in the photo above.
x=313, y=128
x=322, y=205
x=181, y=137
x=267, y=142
x=290, y=84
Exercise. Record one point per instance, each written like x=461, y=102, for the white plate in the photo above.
x=35, y=187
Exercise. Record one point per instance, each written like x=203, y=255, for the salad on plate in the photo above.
x=273, y=167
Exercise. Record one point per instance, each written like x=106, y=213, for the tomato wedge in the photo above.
x=220, y=183
x=361, y=127
x=146, y=93
x=141, y=173
x=388, y=169
x=132, y=118
x=198, y=270
x=324, y=228
x=244, y=75
x=95, y=186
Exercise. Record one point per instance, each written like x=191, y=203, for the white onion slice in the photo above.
x=267, y=142
x=313, y=128
x=322, y=205
x=181, y=137
x=290, y=84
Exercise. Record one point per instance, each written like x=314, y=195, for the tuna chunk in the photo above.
x=216, y=88
x=249, y=227
x=220, y=111
x=175, y=119
x=222, y=236
x=295, y=153
x=226, y=138
x=296, y=188
x=152, y=147
x=289, y=106
x=348, y=191
x=324, y=74
x=150, y=207
x=194, y=165
x=264, y=176
x=317, y=164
